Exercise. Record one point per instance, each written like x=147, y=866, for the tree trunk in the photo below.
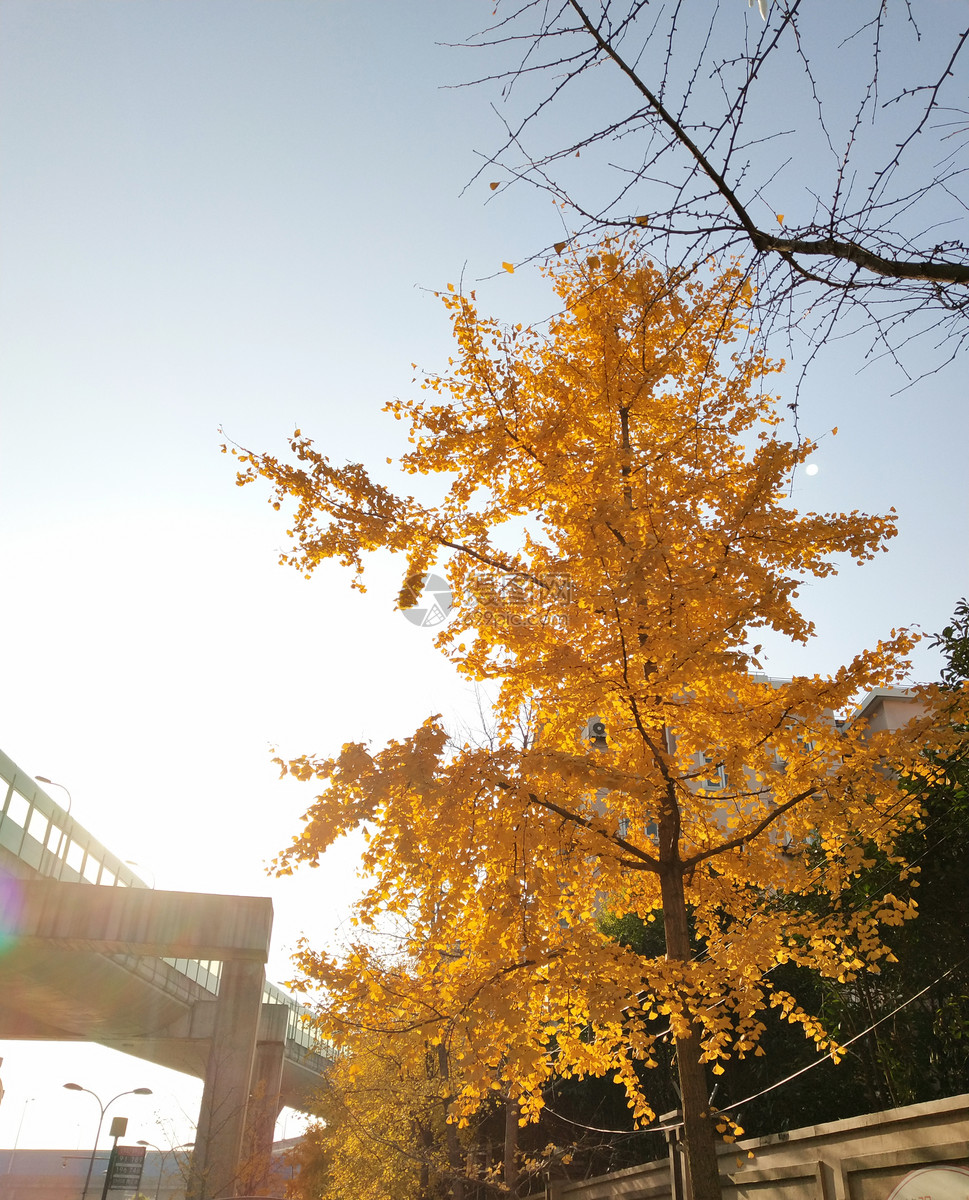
x=454, y=1156
x=424, y=1146
x=511, y=1147
x=698, y=1132
x=455, y=1162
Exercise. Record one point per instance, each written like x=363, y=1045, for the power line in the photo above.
x=772, y=1087
x=864, y=1032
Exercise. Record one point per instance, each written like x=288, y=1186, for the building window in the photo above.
x=717, y=780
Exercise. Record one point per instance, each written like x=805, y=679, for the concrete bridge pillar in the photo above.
x=265, y=1103
x=218, y=1151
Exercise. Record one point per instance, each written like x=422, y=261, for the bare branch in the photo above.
x=727, y=134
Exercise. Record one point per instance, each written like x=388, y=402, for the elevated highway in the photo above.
x=89, y=952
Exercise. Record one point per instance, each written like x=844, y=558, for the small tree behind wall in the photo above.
x=615, y=530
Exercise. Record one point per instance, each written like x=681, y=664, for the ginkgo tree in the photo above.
x=615, y=527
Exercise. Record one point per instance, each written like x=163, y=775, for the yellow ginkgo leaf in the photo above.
x=559, y=247
x=494, y=185
x=780, y=218
x=509, y=268
x=641, y=220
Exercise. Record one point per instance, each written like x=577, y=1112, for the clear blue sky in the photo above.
x=232, y=213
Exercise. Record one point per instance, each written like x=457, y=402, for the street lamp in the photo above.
x=76, y=1087
x=164, y=1154
x=60, y=840
x=54, y=783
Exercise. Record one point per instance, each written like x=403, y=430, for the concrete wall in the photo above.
x=59, y=1174
x=862, y=1158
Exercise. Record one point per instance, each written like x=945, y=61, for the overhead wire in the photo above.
x=881, y=1020
x=780, y=1082
x=703, y=954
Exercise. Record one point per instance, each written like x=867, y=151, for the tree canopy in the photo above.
x=615, y=528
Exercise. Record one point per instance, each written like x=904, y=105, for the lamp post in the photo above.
x=141, y=867
x=70, y=801
x=76, y=1087
x=164, y=1154
x=16, y=1140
